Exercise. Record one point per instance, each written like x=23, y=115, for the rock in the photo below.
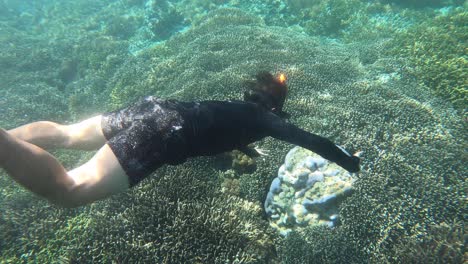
x=307, y=191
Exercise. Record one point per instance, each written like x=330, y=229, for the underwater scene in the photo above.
x=386, y=80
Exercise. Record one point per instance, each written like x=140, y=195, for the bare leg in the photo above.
x=38, y=171
x=86, y=135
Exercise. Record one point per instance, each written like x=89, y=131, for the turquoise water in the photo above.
x=387, y=78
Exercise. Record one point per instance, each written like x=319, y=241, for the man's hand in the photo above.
x=358, y=154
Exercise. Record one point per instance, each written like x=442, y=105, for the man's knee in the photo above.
x=73, y=136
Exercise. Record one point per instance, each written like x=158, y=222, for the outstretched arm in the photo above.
x=324, y=147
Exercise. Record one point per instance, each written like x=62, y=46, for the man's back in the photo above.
x=212, y=127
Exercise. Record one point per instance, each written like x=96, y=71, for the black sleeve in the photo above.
x=282, y=130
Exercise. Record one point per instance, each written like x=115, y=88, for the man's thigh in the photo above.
x=99, y=178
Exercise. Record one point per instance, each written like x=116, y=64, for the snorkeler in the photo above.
x=135, y=141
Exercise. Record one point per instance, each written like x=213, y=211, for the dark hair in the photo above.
x=267, y=91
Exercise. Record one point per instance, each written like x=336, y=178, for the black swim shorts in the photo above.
x=145, y=136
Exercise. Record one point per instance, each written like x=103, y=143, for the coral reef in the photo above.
x=319, y=244
x=331, y=17
x=355, y=94
x=164, y=19
x=241, y=162
x=214, y=231
x=444, y=242
x=231, y=186
x=437, y=54
x=307, y=192
x=424, y=4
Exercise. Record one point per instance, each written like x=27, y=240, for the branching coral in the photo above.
x=332, y=16
x=213, y=230
x=426, y=3
x=443, y=242
x=436, y=50
x=413, y=145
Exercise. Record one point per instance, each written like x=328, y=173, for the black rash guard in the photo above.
x=155, y=132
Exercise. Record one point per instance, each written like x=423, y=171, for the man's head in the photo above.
x=268, y=92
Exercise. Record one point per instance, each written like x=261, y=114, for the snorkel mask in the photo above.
x=268, y=92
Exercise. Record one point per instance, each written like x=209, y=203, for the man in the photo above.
x=135, y=141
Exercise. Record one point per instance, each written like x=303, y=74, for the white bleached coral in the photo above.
x=307, y=191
